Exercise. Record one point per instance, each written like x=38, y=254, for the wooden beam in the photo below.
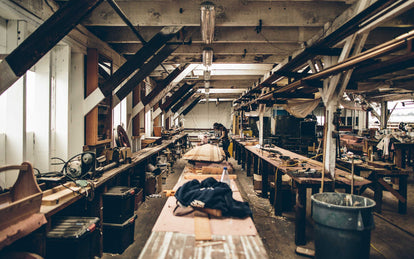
x=384, y=67
x=191, y=106
x=42, y=40
x=180, y=104
x=136, y=61
x=293, y=95
x=176, y=96
x=144, y=71
x=164, y=83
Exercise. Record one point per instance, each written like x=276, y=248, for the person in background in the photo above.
x=216, y=129
x=224, y=138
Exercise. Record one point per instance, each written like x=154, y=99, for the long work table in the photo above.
x=179, y=236
x=266, y=163
x=101, y=184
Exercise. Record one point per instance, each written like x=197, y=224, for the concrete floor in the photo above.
x=393, y=236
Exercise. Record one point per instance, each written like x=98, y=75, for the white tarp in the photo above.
x=301, y=108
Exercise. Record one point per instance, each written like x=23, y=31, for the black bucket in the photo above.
x=343, y=225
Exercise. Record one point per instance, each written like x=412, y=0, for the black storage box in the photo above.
x=117, y=237
x=119, y=204
x=73, y=237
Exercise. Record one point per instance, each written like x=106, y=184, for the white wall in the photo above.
x=76, y=118
x=204, y=115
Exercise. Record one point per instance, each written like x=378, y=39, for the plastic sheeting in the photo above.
x=301, y=108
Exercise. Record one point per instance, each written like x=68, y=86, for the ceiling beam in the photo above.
x=170, y=101
x=228, y=13
x=384, y=67
x=191, y=106
x=163, y=83
x=122, y=34
x=139, y=58
x=144, y=71
x=180, y=104
x=44, y=38
x=196, y=49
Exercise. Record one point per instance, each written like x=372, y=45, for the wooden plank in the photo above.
x=176, y=96
x=145, y=70
x=390, y=189
x=59, y=196
x=202, y=229
x=139, y=58
x=161, y=85
x=203, y=177
x=191, y=106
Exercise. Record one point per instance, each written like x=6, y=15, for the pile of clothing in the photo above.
x=213, y=195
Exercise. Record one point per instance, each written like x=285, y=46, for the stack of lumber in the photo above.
x=207, y=152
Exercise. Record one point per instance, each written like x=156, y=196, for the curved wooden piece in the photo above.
x=25, y=184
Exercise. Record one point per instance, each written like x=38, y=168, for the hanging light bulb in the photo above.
x=207, y=57
x=208, y=16
x=207, y=75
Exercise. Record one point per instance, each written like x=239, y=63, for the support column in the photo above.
x=384, y=115
x=76, y=92
x=60, y=101
x=261, y=112
x=38, y=110
x=329, y=141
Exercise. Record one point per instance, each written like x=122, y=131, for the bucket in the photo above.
x=343, y=225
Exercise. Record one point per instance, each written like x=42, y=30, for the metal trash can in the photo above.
x=343, y=225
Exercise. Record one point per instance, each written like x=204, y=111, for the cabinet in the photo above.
x=98, y=122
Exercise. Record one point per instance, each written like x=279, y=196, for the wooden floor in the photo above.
x=393, y=236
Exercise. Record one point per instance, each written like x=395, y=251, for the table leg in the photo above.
x=265, y=179
x=402, y=206
x=243, y=158
x=255, y=164
x=278, y=193
x=399, y=157
x=239, y=154
x=377, y=195
x=300, y=222
x=248, y=164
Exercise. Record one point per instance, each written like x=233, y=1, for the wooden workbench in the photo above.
x=101, y=184
x=174, y=236
x=376, y=173
x=265, y=165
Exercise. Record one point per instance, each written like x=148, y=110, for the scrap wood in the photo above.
x=201, y=177
x=202, y=227
x=305, y=251
x=210, y=243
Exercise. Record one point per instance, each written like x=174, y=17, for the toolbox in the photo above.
x=117, y=237
x=73, y=237
x=119, y=204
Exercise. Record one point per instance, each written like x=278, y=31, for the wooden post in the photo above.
x=300, y=222
x=261, y=113
x=384, y=115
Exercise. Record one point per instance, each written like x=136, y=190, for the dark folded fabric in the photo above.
x=214, y=195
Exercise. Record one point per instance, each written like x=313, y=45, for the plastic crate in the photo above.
x=117, y=237
x=73, y=237
x=119, y=204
